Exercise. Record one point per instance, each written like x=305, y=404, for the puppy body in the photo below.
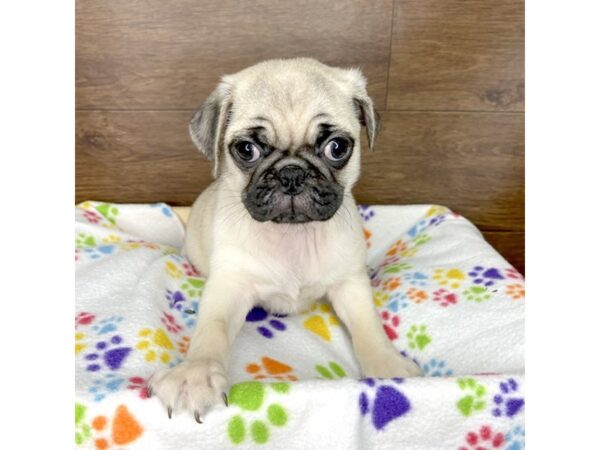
x=279, y=226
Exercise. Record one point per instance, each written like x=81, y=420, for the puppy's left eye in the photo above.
x=337, y=149
x=247, y=151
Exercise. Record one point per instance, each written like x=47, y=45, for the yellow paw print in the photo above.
x=449, y=277
x=320, y=319
x=155, y=344
x=79, y=345
x=111, y=239
x=436, y=210
x=172, y=270
x=85, y=205
x=380, y=298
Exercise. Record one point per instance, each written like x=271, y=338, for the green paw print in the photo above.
x=85, y=240
x=334, y=371
x=110, y=212
x=475, y=398
x=250, y=397
x=477, y=294
x=421, y=239
x=82, y=429
x=418, y=337
x=193, y=287
x=397, y=268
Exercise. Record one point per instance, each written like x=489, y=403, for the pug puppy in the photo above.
x=279, y=226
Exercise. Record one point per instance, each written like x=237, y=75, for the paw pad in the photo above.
x=477, y=294
x=391, y=322
x=331, y=371
x=109, y=352
x=387, y=404
x=320, y=320
x=444, y=297
x=417, y=295
x=483, y=440
x=418, y=337
x=436, y=368
x=271, y=368
x=508, y=402
x=474, y=400
x=485, y=277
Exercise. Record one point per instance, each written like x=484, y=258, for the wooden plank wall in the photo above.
x=446, y=76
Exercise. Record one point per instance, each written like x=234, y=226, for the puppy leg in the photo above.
x=200, y=381
x=353, y=302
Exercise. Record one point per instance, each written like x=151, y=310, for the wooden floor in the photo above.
x=446, y=76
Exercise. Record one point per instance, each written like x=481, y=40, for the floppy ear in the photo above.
x=207, y=127
x=363, y=105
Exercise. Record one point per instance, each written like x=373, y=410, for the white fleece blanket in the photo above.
x=445, y=297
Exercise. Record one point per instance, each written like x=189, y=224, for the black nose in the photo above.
x=292, y=179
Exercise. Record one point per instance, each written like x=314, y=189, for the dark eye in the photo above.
x=247, y=151
x=337, y=149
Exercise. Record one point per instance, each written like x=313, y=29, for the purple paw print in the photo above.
x=484, y=276
x=389, y=403
x=258, y=314
x=366, y=212
x=437, y=220
x=176, y=299
x=111, y=357
x=508, y=402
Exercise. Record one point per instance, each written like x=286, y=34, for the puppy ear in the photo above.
x=363, y=105
x=207, y=126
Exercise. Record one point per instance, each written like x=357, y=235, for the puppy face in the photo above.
x=284, y=135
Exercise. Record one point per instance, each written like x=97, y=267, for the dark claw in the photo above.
x=225, y=399
x=169, y=411
x=149, y=391
x=197, y=416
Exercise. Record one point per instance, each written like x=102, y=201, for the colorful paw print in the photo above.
x=84, y=318
x=183, y=344
x=380, y=298
x=444, y=297
x=155, y=344
x=110, y=212
x=390, y=322
x=170, y=323
x=515, y=439
x=109, y=354
x=395, y=267
x=436, y=368
x=271, y=368
x=485, y=277
x=366, y=212
x=437, y=220
x=474, y=398
x=104, y=386
x=387, y=403
x=172, y=270
x=416, y=229
x=391, y=284
x=513, y=274
x=416, y=278
x=453, y=278
x=367, y=234
x=98, y=252
x=83, y=240
x=193, y=287
x=397, y=301
x=176, y=299
x=267, y=327
x=111, y=239
x=516, y=291
x=508, y=402
x=82, y=430
x=331, y=371
x=418, y=337
x=436, y=210
x=92, y=217
x=80, y=342
x=417, y=295
x=122, y=430
x=476, y=294
x=138, y=384
x=108, y=325
x=421, y=239
x=250, y=397
x=484, y=439
x=399, y=247
x=163, y=208
x=320, y=321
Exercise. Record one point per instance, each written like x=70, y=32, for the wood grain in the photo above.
x=152, y=54
x=457, y=55
x=473, y=165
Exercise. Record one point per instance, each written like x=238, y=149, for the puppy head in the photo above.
x=285, y=135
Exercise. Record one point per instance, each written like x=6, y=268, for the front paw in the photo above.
x=193, y=385
x=391, y=366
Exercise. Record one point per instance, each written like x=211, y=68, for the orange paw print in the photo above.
x=398, y=248
x=368, y=235
x=124, y=429
x=417, y=295
x=392, y=284
x=183, y=344
x=516, y=291
x=271, y=368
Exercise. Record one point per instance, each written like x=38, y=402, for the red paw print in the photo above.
x=92, y=217
x=390, y=324
x=138, y=383
x=84, y=318
x=513, y=273
x=485, y=440
x=444, y=297
x=190, y=270
x=170, y=323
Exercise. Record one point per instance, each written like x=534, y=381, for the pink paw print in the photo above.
x=190, y=270
x=138, y=384
x=92, y=217
x=390, y=324
x=486, y=439
x=444, y=297
x=170, y=323
x=84, y=318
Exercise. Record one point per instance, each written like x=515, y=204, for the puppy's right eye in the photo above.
x=247, y=151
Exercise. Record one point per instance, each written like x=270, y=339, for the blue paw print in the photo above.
x=97, y=252
x=416, y=278
x=102, y=387
x=164, y=208
x=417, y=228
x=387, y=404
x=508, y=402
x=258, y=314
x=109, y=353
x=108, y=325
x=397, y=301
x=515, y=439
x=436, y=368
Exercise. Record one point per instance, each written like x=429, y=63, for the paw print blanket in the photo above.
x=446, y=299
